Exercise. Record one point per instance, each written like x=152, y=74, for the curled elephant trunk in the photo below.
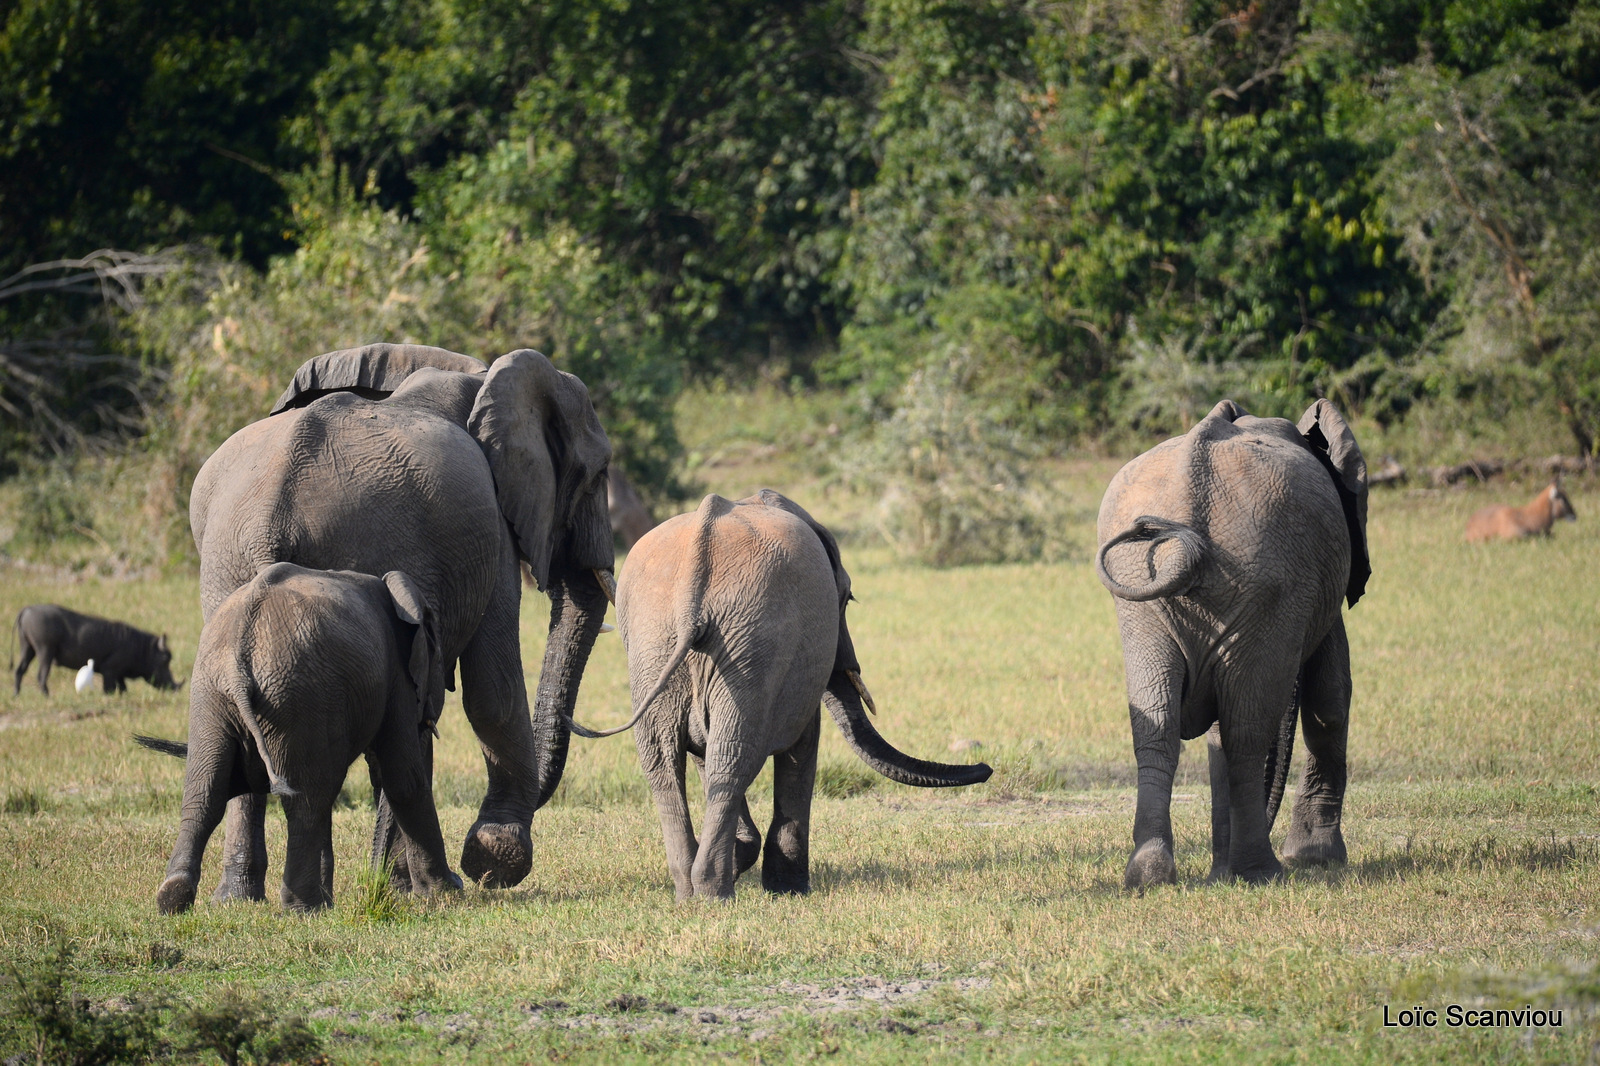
x=1174, y=576
x=843, y=698
x=577, y=610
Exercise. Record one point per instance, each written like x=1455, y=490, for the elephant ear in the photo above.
x=549, y=456
x=424, y=662
x=845, y=656
x=1329, y=437
x=373, y=371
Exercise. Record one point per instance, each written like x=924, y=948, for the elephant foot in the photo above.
x=1221, y=873
x=1314, y=847
x=294, y=904
x=450, y=882
x=1261, y=872
x=236, y=887
x=1151, y=864
x=497, y=855
x=175, y=895
x=786, y=888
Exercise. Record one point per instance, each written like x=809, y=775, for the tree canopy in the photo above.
x=1113, y=209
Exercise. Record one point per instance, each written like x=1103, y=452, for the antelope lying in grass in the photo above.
x=1514, y=523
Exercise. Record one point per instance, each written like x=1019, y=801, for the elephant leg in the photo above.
x=389, y=844
x=308, y=862
x=1221, y=805
x=1155, y=694
x=210, y=764
x=498, y=851
x=406, y=787
x=22, y=667
x=730, y=766
x=786, y=867
x=244, y=850
x=747, y=846
x=1315, y=837
x=661, y=755
x=1250, y=726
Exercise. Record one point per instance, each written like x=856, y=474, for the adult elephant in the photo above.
x=1228, y=550
x=403, y=457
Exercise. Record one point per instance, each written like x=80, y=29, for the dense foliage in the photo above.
x=1109, y=214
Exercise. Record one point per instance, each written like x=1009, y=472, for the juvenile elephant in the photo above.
x=402, y=457
x=60, y=637
x=733, y=618
x=1237, y=542
x=299, y=673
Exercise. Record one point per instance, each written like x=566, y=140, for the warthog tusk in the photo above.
x=861, y=688
x=608, y=585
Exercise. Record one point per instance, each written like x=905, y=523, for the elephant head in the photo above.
x=1330, y=440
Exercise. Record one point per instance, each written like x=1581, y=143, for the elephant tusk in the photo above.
x=861, y=688
x=607, y=627
x=608, y=585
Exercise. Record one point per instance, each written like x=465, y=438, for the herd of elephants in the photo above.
x=366, y=542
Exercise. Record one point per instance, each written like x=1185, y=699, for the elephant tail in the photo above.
x=175, y=748
x=679, y=652
x=690, y=625
x=1174, y=577
x=845, y=697
x=240, y=694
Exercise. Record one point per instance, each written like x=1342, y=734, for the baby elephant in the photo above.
x=66, y=638
x=733, y=617
x=298, y=673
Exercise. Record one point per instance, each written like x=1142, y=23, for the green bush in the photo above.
x=240, y=1028
x=49, y=1022
x=955, y=483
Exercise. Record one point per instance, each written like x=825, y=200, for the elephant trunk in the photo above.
x=577, y=610
x=1171, y=579
x=843, y=698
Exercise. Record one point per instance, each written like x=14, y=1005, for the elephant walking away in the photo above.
x=299, y=673
x=59, y=637
x=401, y=457
x=733, y=618
x=1227, y=551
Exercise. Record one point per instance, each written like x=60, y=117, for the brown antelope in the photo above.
x=1514, y=523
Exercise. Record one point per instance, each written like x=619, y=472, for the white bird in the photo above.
x=85, y=676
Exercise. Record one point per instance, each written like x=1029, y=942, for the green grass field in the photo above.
x=944, y=926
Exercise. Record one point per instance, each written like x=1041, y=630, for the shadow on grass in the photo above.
x=916, y=873
x=1484, y=854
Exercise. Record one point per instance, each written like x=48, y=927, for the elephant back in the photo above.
x=372, y=371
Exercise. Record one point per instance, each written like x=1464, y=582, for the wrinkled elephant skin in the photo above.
x=397, y=457
x=1227, y=551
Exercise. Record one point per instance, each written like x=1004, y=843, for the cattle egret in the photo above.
x=85, y=676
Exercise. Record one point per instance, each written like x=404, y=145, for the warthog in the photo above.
x=62, y=637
